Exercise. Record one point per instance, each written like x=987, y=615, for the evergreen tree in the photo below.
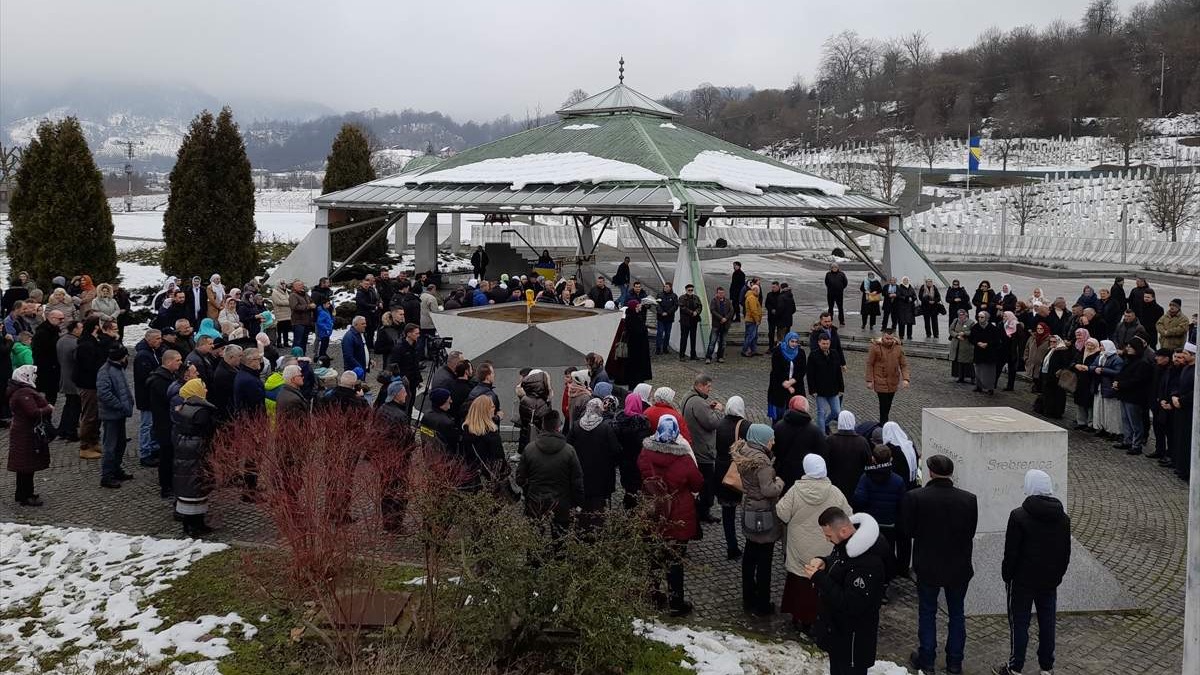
x=348, y=165
x=61, y=223
x=208, y=227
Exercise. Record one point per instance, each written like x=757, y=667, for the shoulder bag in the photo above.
x=733, y=477
x=1067, y=380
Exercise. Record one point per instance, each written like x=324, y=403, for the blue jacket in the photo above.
x=324, y=323
x=249, y=394
x=354, y=351
x=479, y=299
x=114, y=402
x=880, y=491
x=1108, y=373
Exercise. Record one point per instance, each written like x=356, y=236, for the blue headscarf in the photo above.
x=790, y=353
x=668, y=429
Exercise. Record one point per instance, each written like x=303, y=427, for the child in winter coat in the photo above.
x=324, y=330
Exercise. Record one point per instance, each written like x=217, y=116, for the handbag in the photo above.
x=941, y=309
x=733, y=478
x=1067, y=380
x=45, y=433
x=758, y=522
x=874, y=297
x=621, y=351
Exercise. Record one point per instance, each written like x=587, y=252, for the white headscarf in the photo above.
x=643, y=391
x=1038, y=483
x=218, y=289
x=581, y=377
x=664, y=395
x=735, y=406
x=894, y=435
x=814, y=467
x=26, y=375
x=846, y=421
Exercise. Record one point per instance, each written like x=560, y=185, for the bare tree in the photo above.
x=10, y=161
x=927, y=132
x=706, y=102
x=917, y=50
x=1101, y=17
x=1026, y=204
x=1172, y=199
x=1010, y=122
x=533, y=120
x=887, y=153
x=1126, y=129
x=574, y=97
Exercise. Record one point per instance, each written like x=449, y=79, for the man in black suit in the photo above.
x=197, y=302
x=941, y=520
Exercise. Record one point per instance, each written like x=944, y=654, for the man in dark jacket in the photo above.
x=600, y=294
x=1133, y=387
x=835, y=291
x=224, y=377
x=89, y=356
x=1149, y=315
x=690, y=308
x=785, y=311
x=850, y=583
x=668, y=302
x=354, y=345
x=114, y=406
x=941, y=520
x=249, y=394
x=437, y=422
x=621, y=279
x=485, y=386
x=45, y=354
x=479, y=262
x=408, y=359
x=1037, y=551
x=201, y=357
x=146, y=358
x=795, y=437
x=723, y=311
x=770, y=305
x=290, y=402
x=157, y=383
x=825, y=381
x=550, y=475
x=368, y=304
x=737, y=284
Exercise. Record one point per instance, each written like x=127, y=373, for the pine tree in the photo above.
x=61, y=223
x=208, y=227
x=348, y=165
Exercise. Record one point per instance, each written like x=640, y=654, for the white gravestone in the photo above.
x=992, y=448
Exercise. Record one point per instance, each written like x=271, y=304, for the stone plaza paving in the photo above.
x=1130, y=514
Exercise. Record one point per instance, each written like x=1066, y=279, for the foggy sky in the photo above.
x=475, y=59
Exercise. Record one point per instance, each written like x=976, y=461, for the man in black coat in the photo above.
x=197, y=302
x=835, y=290
x=408, y=359
x=368, y=304
x=825, y=381
x=159, y=405
x=1133, y=386
x=1037, y=551
x=479, y=262
x=795, y=437
x=224, y=376
x=45, y=354
x=668, y=303
x=690, y=309
x=770, y=304
x=600, y=294
x=850, y=582
x=146, y=358
x=941, y=520
x=737, y=284
x=785, y=310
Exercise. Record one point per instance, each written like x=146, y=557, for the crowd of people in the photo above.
x=848, y=498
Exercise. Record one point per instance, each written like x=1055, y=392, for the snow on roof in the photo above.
x=555, y=168
x=747, y=175
x=576, y=127
x=668, y=125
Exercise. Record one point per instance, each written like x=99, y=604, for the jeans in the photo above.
x=300, y=336
x=716, y=341
x=147, y=446
x=828, y=407
x=885, y=405
x=1132, y=427
x=624, y=288
x=956, y=637
x=662, y=337
x=750, y=344
x=1020, y=601
x=687, y=334
x=756, y=575
x=68, y=422
x=113, y=435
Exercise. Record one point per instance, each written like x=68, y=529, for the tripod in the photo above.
x=437, y=348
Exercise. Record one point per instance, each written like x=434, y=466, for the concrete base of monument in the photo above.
x=1088, y=587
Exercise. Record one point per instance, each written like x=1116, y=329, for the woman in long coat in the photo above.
x=1054, y=398
x=28, y=452
x=787, y=375
x=961, y=354
x=1085, y=387
x=904, y=309
x=871, y=291
x=671, y=479
x=985, y=338
x=637, y=339
x=1035, y=352
x=194, y=425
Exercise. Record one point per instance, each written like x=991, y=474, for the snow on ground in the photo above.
x=134, y=275
x=720, y=653
x=554, y=168
x=78, y=584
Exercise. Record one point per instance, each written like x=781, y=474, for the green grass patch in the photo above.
x=655, y=658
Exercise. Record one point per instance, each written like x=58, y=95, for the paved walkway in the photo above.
x=1129, y=513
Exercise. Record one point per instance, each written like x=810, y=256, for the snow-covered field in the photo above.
x=281, y=225
x=78, y=585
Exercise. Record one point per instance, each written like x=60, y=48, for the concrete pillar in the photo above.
x=425, y=247
x=401, y=235
x=687, y=269
x=455, y=241
x=587, y=270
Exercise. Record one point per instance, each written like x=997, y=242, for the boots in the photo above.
x=194, y=527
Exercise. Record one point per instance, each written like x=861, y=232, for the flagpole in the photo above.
x=968, y=156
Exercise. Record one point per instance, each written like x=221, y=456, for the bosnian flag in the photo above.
x=974, y=154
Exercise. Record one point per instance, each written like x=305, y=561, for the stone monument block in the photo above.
x=992, y=448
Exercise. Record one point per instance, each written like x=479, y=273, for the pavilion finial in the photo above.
x=621, y=71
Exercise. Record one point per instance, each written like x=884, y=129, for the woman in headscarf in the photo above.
x=985, y=338
x=905, y=455
x=1036, y=347
x=1085, y=387
x=1006, y=300
x=1081, y=338
x=87, y=294
x=732, y=428
x=1054, y=398
x=28, y=449
x=984, y=299
x=578, y=394
x=631, y=428
x=761, y=489
x=956, y=299
x=228, y=319
x=962, y=354
x=872, y=295
x=671, y=478
x=1012, y=345
x=1038, y=299
x=208, y=327
x=105, y=303
x=799, y=508
x=1106, y=407
x=194, y=423
x=596, y=445
x=637, y=361
x=215, y=296
x=904, y=308
x=787, y=375
x=848, y=452
x=533, y=403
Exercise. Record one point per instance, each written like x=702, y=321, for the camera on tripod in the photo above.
x=437, y=347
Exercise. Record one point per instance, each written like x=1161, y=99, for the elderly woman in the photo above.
x=871, y=292
x=1012, y=337
x=59, y=300
x=105, y=303
x=799, y=509
x=671, y=477
x=1085, y=387
x=228, y=319
x=732, y=428
x=1054, y=397
x=1106, y=407
x=761, y=489
x=962, y=355
x=214, y=296
x=985, y=338
x=28, y=449
x=904, y=308
x=194, y=422
x=1035, y=352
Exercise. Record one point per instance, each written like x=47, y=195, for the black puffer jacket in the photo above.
x=1037, y=545
x=846, y=457
x=194, y=424
x=532, y=407
x=598, y=451
x=551, y=477
x=796, y=436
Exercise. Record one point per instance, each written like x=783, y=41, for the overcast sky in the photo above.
x=468, y=59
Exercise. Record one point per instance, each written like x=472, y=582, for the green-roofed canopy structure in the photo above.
x=617, y=154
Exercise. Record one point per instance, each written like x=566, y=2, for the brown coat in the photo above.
x=302, y=309
x=214, y=305
x=26, y=453
x=886, y=367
